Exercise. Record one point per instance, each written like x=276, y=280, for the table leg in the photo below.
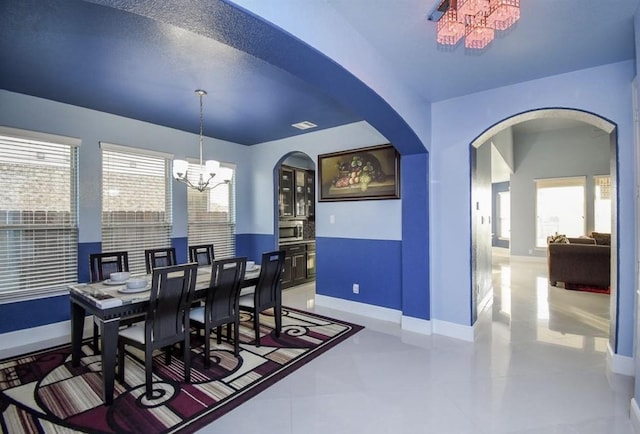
x=77, y=327
x=108, y=355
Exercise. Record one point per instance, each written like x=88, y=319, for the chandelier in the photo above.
x=209, y=170
x=475, y=20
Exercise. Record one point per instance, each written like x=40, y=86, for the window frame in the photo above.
x=163, y=229
x=197, y=229
x=70, y=226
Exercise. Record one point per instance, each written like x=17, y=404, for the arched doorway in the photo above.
x=481, y=214
x=294, y=217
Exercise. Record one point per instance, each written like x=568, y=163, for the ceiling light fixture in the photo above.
x=475, y=20
x=211, y=168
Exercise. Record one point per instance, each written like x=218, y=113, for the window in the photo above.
x=212, y=216
x=38, y=213
x=136, y=202
x=602, y=204
x=504, y=215
x=560, y=205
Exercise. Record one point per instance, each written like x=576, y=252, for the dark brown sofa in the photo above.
x=581, y=261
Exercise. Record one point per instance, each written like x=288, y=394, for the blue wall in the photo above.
x=374, y=264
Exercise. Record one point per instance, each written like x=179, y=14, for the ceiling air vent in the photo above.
x=304, y=125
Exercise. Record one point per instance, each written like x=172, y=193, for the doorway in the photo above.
x=500, y=137
x=295, y=217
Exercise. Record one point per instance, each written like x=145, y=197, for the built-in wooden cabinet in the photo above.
x=299, y=263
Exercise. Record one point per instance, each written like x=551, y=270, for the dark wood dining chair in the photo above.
x=166, y=322
x=267, y=293
x=221, y=304
x=101, y=265
x=202, y=254
x=164, y=257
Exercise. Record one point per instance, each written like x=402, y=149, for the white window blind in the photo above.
x=136, y=203
x=38, y=214
x=212, y=216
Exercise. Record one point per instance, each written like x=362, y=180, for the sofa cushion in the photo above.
x=602, y=239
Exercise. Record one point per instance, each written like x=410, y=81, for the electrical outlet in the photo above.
x=356, y=288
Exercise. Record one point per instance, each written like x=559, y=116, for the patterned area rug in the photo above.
x=42, y=392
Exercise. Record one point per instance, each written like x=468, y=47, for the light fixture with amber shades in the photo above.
x=474, y=20
x=205, y=173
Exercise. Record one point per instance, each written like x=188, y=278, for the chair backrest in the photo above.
x=154, y=258
x=101, y=265
x=269, y=288
x=221, y=305
x=202, y=254
x=172, y=291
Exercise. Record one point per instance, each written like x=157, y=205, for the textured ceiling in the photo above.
x=143, y=59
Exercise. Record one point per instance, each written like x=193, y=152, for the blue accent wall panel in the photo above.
x=254, y=245
x=33, y=313
x=182, y=249
x=84, y=250
x=415, y=236
x=376, y=265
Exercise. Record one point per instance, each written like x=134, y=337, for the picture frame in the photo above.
x=359, y=174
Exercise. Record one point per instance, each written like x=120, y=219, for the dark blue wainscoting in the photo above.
x=254, y=245
x=182, y=249
x=376, y=265
x=33, y=313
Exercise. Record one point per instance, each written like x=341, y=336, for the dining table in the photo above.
x=112, y=303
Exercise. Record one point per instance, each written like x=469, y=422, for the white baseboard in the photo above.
x=618, y=364
x=363, y=309
x=416, y=325
x=38, y=338
x=635, y=416
x=453, y=330
x=427, y=327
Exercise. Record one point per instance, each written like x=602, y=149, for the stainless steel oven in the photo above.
x=290, y=230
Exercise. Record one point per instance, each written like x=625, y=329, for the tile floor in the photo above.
x=537, y=366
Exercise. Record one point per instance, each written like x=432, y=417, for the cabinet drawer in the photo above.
x=291, y=250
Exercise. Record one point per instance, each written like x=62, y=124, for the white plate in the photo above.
x=110, y=283
x=254, y=268
x=126, y=290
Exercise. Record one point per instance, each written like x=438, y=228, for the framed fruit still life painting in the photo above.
x=359, y=174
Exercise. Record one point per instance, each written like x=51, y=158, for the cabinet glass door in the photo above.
x=300, y=196
x=286, y=193
x=310, y=193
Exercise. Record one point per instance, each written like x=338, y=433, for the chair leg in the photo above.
x=148, y=367
x=229, y=332
x=256, y=326
x=167, y=355
x=236, y=337
x=121, y=362
x=219, y=334
x=278, y=313
x=96, y=334
x=187, y=358
x=207, y=347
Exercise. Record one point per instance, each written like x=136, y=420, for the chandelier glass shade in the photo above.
x=205, y=173
x=476, y=21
